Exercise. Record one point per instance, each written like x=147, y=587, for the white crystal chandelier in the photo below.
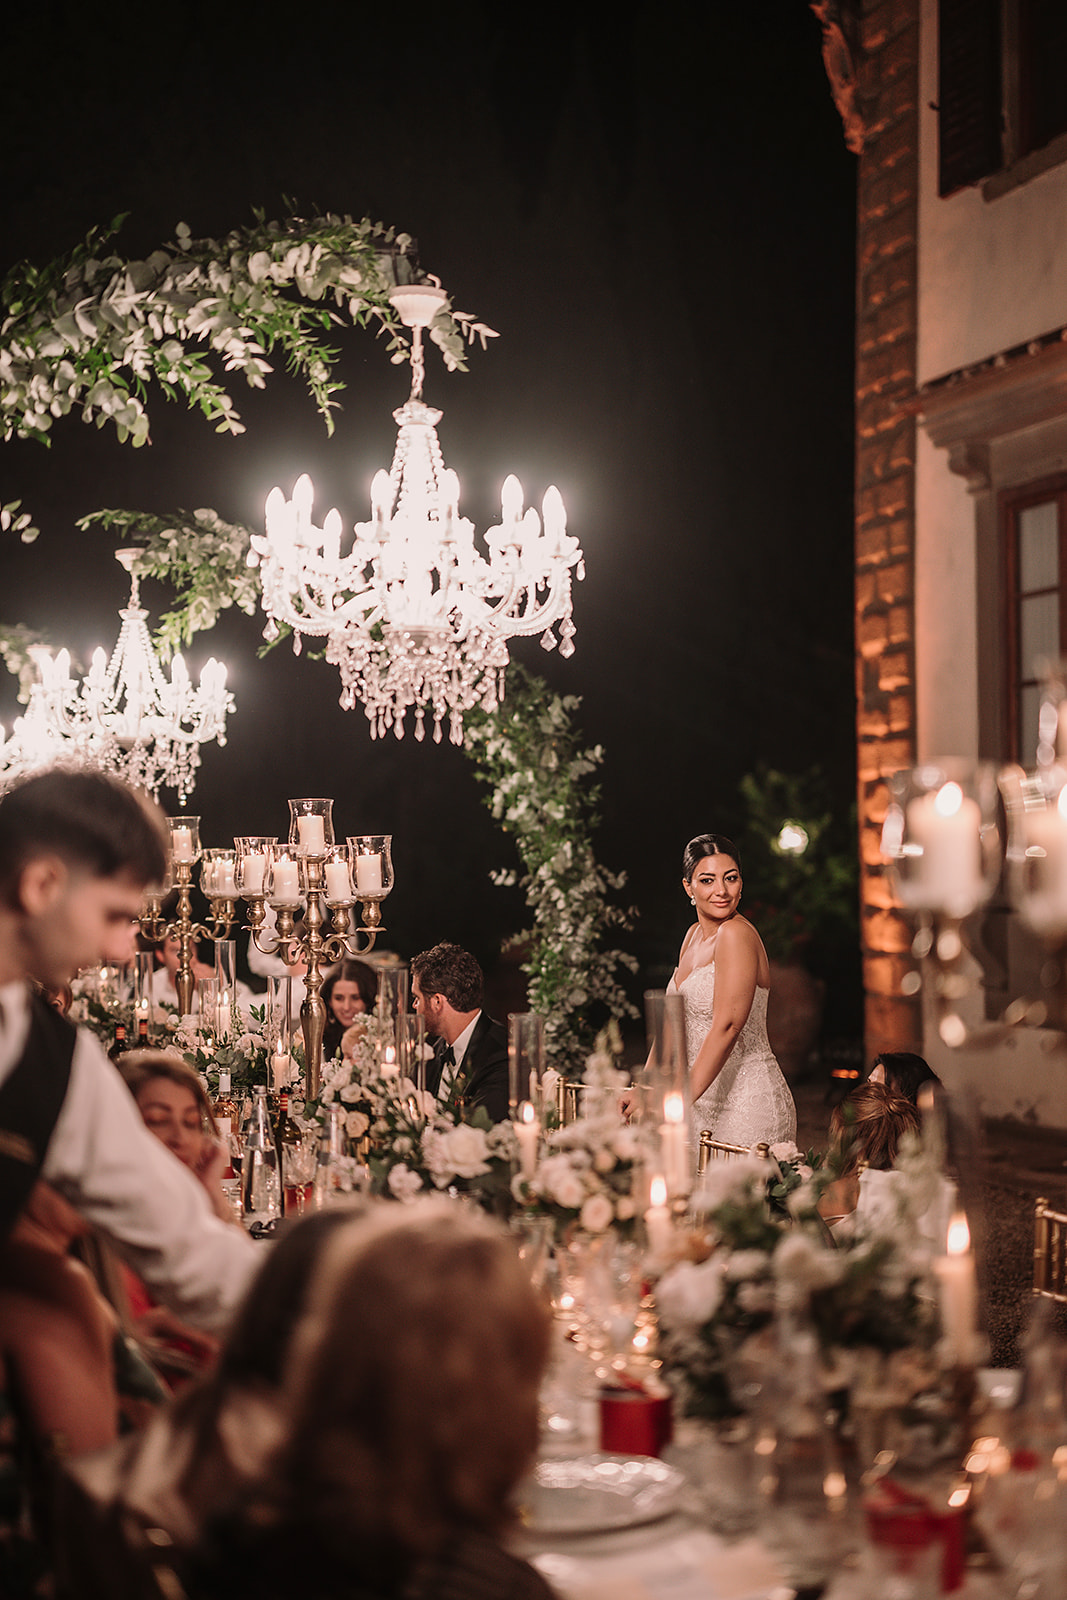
x=415, y=615
x=125, y=715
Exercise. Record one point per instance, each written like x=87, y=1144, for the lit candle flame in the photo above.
x=673, y=1107
x=959, y=1236
x=948, y=799
x=657, y=1191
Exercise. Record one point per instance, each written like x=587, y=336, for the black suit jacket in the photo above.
x=482, y=1079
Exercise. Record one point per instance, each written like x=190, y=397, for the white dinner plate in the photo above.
x=598, y=1493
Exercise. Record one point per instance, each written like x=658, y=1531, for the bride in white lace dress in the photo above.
x=723, y=974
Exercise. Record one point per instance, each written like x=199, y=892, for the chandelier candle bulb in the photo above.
x=658, y=1224
x=528, y=1133
x=959, y=1293
x=368, y=874
x=947, y=827
x=673, y=1144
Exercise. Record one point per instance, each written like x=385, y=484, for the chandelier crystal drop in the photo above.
x=415, y=616
x=125, y=715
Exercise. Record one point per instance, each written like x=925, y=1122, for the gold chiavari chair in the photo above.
x=715, y=1150
x=1050, y=1252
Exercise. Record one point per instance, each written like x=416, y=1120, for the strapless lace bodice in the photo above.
x=749, y=1100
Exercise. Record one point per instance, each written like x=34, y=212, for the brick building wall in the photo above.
x=887, y=73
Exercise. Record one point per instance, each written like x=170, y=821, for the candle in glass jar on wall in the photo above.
x=947, y=825
x=368, y=874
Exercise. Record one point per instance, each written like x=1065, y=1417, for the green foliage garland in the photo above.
x=529, y=753
x=93, y=330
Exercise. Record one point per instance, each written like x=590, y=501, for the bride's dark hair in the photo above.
x=707, y=844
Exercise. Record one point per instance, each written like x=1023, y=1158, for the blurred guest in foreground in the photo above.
x=372, y=1454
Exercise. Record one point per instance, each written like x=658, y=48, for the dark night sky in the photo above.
x=655, y=208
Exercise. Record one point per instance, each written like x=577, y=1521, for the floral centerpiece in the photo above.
x=413, y=1145
x=865, y=1296
x=246, y=1056
x=586, y=1178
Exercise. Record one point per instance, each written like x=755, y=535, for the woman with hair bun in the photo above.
x=723, y=973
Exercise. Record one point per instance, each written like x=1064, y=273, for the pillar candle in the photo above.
x=338, y=881
x=368, y=874
x=311, y=834
x=959, y=1294
x=658, y=1223
x=253, y=871
x=225, y=883
x=286, y=879
x=528, y=1133
x=673, y=1145
x=182, y=844
x=948, y=873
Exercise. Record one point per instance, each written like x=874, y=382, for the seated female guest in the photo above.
x=349, y=992
x=175, y=1107
x=904, y=1072
x=866, y=1129
x=405, y=1414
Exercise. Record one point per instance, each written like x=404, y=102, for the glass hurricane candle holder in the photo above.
x=283, y=878
x=1036, y=807
x=183, y=845
x=940, y=837
x=254, y=855
x=526, y=1060
x=218, y=874
x=310, y=826
x=337, y=876
x=372, y=864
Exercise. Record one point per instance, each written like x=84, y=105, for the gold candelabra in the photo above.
x=316, y=949
x=184, y=852
x=328, y=880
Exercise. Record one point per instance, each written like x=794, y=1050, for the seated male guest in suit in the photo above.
x=470, y=1061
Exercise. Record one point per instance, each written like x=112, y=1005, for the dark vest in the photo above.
x=31, y=1099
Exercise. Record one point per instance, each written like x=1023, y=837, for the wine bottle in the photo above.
x=118, y=1043
x=290, y=1142
x=224, y=1104
x=260, y=1185
x=142, y=1033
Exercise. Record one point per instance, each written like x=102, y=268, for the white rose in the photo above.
x=565, y=1187
x=785, y=1152
x=747, y=1264
x=356, y=1124
x=801, y=1263
x=690, y=1293
x=624, y=1207
x=624, y=1144
x=597, y=1214
x=403, y=1183
x=350, y=1092
x=604, y=1160
x=467, y=1151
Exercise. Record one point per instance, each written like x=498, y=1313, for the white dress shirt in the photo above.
x=125, y=1182
x=459, y=1050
